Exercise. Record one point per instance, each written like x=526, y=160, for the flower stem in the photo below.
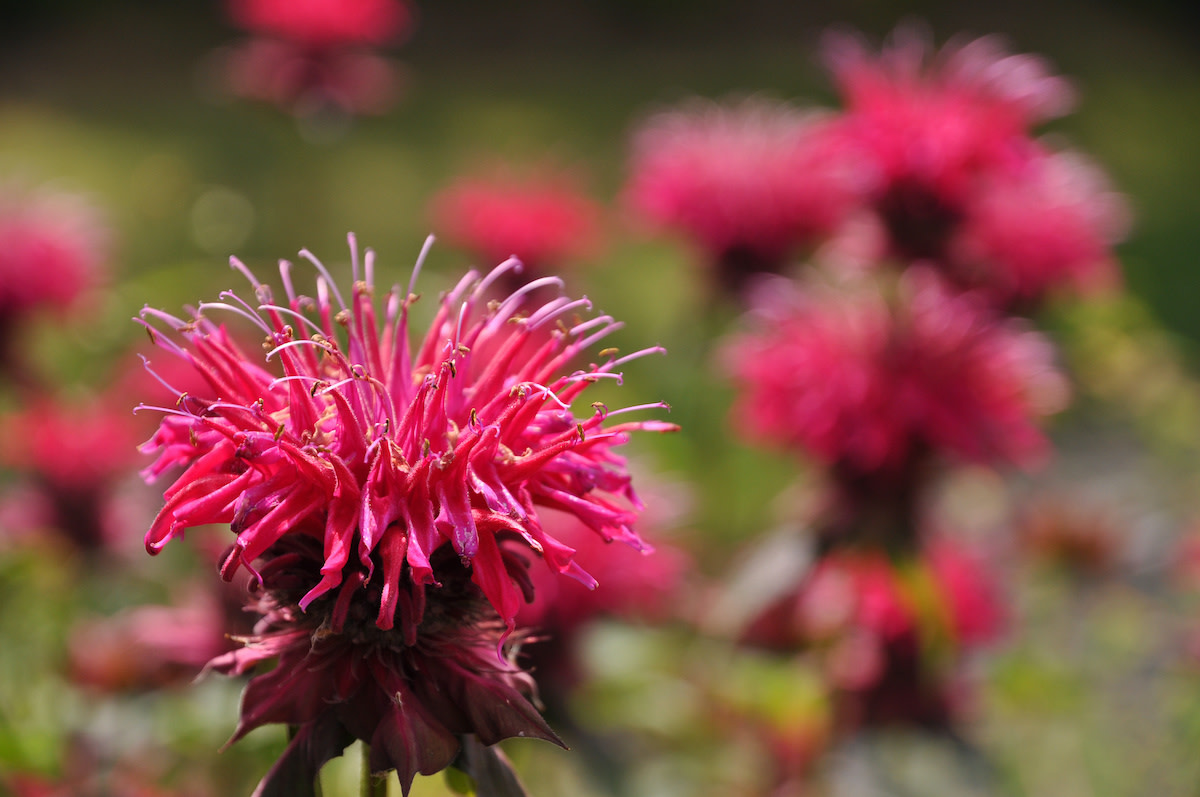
x=371, y=785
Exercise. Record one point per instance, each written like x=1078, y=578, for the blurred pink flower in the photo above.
x=53, y=247
x=71, y=457
x=544, y=220
x=865, y=379
x=387, y=493
x=1049, y=226
x=325, y=23
x=150, y=647
x=750, y=183
x=928, y=125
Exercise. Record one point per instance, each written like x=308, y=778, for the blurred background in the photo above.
x=1093, y=689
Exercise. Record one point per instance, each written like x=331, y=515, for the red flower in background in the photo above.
x=304, y=82
x=150, y=647
x=325, y=23
x=749, y=183
x=543, y=220
x=72, y=457
x=53, y=247
x=865, y=380
x=928, y=126
x=392, y=490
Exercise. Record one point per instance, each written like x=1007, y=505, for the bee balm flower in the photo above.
x=928, y=127
x=386, y=492
x=748, y=183
x=866, y=382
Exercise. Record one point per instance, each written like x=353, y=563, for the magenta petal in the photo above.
x=294, y=692
x=495, y=709
x=410, y=740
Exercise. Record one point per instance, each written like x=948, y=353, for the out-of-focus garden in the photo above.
x=924, y=529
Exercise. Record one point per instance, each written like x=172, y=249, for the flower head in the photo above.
x=385, y=493
x=749, y=183
x=52, y=247
x=376, y=444
x=311, y=57
x=928, y=126
x=544, y=221
x=71, y=456
x=864, y=382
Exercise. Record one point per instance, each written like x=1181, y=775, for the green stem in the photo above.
x=371, y=785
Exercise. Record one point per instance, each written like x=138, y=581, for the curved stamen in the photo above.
x=307, y=255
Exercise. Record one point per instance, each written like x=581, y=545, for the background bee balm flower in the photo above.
x=386, y=492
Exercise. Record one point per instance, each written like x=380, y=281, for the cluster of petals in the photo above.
x=867, y=375
x=52, y=248
x=752, y=180
x=325, y=23
x=954, y=175
x=543, y=220
x=384, y=448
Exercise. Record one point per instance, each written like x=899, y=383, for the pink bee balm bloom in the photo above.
x=1046, y=227
x=544, y=221
x=72, y=456
x=927, y=127
x=866, y=382
x=750, y=183
x=325, y=23
x=52, y=248
x=392, y=487
x=387, y=447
